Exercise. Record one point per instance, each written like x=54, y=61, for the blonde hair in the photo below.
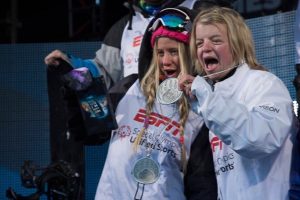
x=239, y=35
x=149, y=86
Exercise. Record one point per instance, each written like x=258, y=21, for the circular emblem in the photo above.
x=145, y=171
x=168, y=91
x=124, y=131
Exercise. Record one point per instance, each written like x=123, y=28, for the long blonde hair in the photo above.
x=239, y=35
x=149, y=86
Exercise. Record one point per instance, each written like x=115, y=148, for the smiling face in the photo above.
x=168, y=57
x=213, y=50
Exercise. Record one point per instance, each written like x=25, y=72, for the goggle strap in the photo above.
x=182, y=23
x=177, y=10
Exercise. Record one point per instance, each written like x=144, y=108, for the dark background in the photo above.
x=33, y=21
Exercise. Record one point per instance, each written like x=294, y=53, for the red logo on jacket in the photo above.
x=158, y=120
x=137, y=40
x=215, y=142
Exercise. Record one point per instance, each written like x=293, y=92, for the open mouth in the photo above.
x=210, y=63
x=170, y=73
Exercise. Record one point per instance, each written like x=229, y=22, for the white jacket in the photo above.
x=252, y=126
x=116, y=181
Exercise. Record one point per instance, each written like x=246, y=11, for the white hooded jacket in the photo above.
x=162, y=136
x=252, y=127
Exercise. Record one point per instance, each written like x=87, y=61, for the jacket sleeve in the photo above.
x=108, y=57
x=107, y=62
x=254, y=123
x=200, y=179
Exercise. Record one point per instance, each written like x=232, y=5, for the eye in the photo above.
x=199, y=44
x=160, y=53
x=174, y=52
x=217, y=40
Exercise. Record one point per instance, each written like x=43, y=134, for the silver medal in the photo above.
x=145, y=170
x=168, y=91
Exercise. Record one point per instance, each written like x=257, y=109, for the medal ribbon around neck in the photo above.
x=146, y=170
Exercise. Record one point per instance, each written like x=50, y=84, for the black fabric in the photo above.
x=109, y=12
x=296, y=83
x=117, y=92
x=114, y=36
x=75, y=122
x=63, y=109
x=200, y=180
x=200, y=4
x=65, y=113
x=172, y=3
x=97, y=112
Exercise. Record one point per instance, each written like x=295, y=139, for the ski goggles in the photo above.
x=152, y=8
x=173, y=19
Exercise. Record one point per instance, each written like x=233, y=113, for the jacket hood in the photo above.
x=145, y=55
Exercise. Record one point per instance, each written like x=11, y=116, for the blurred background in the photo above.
x=88, y=20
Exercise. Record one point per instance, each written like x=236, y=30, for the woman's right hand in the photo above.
x=185, y=83
x=53, y=58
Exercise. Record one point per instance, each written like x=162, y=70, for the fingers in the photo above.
x=181, y=81
x=54, y=56
x=185, y=83
x=185, y=80
x=187, y=91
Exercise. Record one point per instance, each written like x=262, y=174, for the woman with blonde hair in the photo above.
x=247, y=109
x=149, y=151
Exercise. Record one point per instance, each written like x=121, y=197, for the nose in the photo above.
x=207, y=46
x=166, y=60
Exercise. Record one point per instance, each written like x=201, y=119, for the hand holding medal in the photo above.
x=185, y=83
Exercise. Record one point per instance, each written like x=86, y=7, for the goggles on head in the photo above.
x=150, y=9
x=173, y=19
x=172, y=23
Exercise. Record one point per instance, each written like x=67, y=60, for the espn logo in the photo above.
x=158, y=120
x=215, y=142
